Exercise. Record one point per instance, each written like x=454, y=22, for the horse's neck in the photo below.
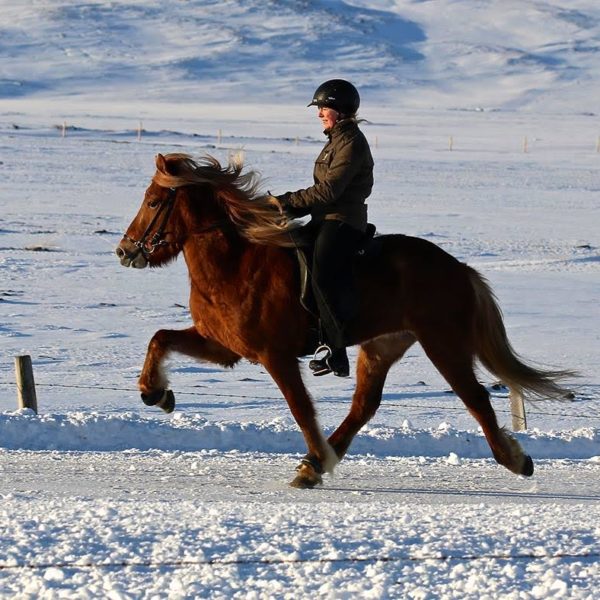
x=217, y=258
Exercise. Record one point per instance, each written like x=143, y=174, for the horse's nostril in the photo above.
x=120, y=252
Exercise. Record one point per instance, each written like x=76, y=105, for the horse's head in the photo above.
x=158, y=231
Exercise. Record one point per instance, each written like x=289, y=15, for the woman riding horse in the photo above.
x=343, y=178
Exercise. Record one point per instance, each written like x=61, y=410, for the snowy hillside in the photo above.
x=498, y=54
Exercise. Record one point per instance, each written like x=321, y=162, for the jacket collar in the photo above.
x=340, y=127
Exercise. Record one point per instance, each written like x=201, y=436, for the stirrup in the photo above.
x=322, y=348
x=319, y=365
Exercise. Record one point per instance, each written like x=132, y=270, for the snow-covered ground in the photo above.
x=103, y=497
x=225, y=525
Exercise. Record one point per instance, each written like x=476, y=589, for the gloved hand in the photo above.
x=289, y=211
x=284, y=198
x=274, y=201
x=295, y=212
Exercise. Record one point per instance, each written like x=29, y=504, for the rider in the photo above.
x=343, y=178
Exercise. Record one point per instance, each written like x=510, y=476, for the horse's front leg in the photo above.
x=153, y=382
x=321, y=456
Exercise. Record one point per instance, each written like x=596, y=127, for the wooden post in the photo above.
x=64, y=129
x=139, y=131
x=219, y=136
x=451, y=143
x=517, y=409
x=525, y=145
x=598, y=144
x=26, y=396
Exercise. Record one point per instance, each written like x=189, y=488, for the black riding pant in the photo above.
x=332, y=278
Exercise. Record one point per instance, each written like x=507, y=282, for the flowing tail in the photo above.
x=497, y=355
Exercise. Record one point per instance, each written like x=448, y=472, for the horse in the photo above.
x=245, y=303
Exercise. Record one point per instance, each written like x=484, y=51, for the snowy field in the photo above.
x=101, y=497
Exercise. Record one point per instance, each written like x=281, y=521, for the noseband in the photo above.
x=145, y=246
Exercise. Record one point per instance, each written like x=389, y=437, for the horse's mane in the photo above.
x=256, y=215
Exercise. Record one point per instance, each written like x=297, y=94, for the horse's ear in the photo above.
x=161, y=164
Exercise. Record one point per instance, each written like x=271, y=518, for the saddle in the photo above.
x=368, y=247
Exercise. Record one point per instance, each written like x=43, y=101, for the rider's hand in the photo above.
x=274, y=202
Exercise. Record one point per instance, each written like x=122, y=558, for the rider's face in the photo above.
x=328, y=116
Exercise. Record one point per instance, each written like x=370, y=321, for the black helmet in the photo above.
x=338, y=94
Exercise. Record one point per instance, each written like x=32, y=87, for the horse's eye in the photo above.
x=153, y=203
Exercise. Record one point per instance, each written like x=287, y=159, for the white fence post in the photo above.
x=517, y=409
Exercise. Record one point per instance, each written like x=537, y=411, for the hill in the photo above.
x=527, y=55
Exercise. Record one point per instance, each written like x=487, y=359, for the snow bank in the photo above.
x=100, y=432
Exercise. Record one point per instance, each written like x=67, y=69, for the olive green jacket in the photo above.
x=343, y=177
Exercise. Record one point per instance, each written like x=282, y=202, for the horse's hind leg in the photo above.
x=455, y=363
x=153, y=381
x=374, y=361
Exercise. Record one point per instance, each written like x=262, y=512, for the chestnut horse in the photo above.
x=244, y=302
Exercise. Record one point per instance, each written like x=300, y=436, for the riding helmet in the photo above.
x=338, y=94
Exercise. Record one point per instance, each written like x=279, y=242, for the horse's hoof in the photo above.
x=168, y=402
x=153, y=398
x=164, y=399
x=527, y=468
x=307, y=478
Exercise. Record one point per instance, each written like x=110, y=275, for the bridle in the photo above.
x=148, y=246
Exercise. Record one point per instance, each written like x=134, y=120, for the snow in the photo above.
x=380, y=530
x=103, y=497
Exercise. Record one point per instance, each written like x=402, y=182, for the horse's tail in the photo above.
x=496, y=353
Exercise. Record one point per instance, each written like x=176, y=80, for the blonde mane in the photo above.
x=256, y=215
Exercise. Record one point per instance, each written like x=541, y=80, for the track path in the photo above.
x=212, y=524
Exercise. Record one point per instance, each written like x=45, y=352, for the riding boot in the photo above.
x=335, y=361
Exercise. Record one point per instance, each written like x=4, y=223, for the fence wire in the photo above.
x=223, y=562
x=385, y=403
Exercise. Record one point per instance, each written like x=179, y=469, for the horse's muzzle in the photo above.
x=130, y=255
